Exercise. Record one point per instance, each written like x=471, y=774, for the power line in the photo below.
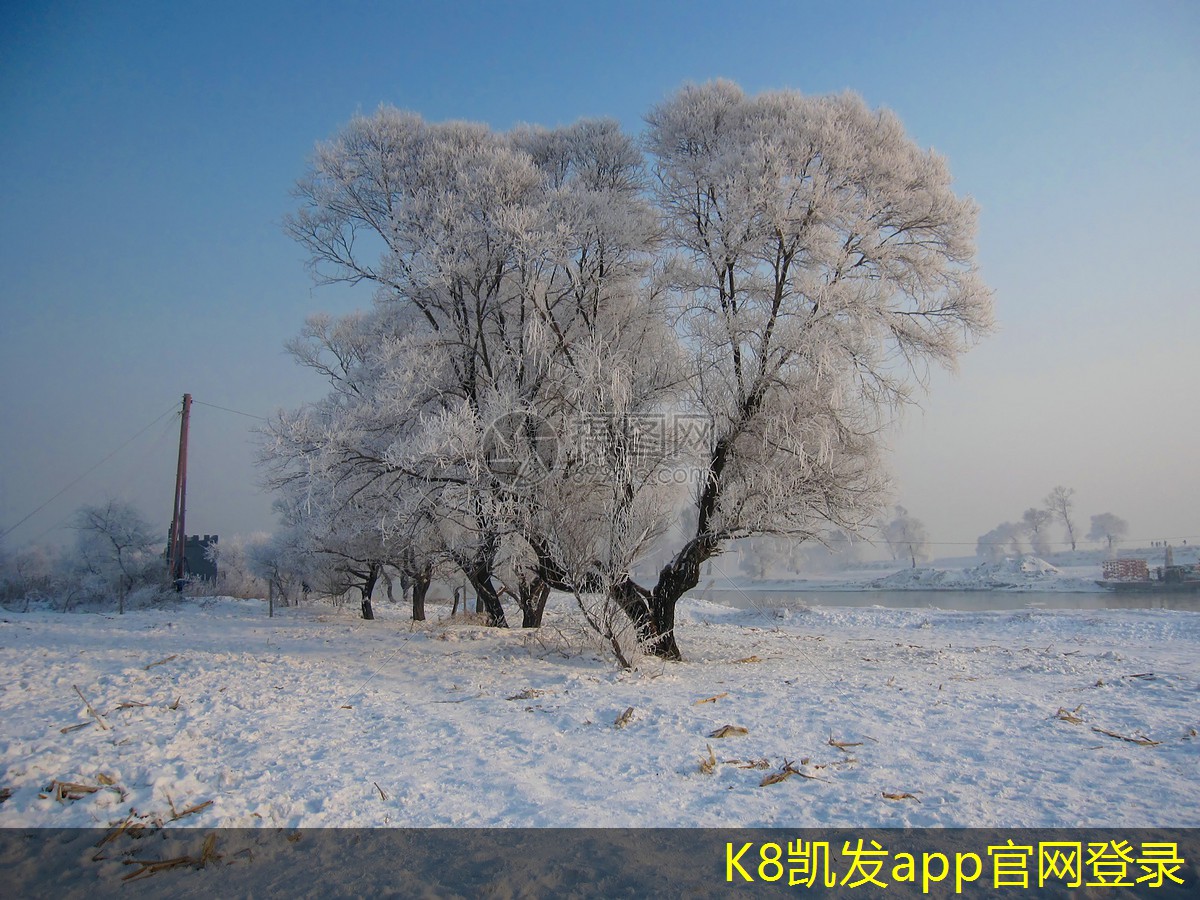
x=89, y=471
x=236, y=412
x=163, y=432
x=157, y=419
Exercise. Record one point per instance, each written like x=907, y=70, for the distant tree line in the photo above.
x=116, y=559
x=1032, y=533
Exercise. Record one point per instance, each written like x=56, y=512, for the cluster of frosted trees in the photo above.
x=587, y=351
x=117, y=559
x=1010, y=538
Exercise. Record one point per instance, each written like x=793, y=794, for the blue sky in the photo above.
x=148, y=150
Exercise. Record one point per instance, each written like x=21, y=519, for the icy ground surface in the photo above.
x=317, y=718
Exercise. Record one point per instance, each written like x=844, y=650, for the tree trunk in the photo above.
x=634, y=601
x=672, y=584
x=532, y=597
x=488, y=599
x=653, y=612
x=420, y=585
x=683, y=572
x=367, y=589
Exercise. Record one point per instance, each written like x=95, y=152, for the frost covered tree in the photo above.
x=29, y=573
x=1109, y=528
x=444, y=220
x=501, y=263
x=906, y=536
x=116, y=549
x=819, y=261
x=350, y=512
x=759, y=557
x=1003, y=540
x=1060, y=503
x=341, y=540
x=235, y=577
x=282, y=562
x=1035, y=522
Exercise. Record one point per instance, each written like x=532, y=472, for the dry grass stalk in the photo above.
x=624, y=718
x=95, y=715
x=175, y=705
x=786, y=771
x=843, y=745
x=382, y=795
x=729, y=731
x=71, y=728
x=190, y=810
x=134, y=825
x=208, y=853
x=709, y=765
x=749, y=763
x=1071, y=716
x=131, y=704
x=712, y=699
x=1139, y=740
x=70, y=790
x=902, y=795
x=106, y=780
x=160, y=662
x=118, y=831
x=154, y=866
x=748, y=659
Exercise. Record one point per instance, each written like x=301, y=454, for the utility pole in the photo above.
x=176, y=560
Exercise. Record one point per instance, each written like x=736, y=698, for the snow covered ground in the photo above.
x=210, y=712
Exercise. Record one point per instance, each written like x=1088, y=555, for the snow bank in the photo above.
x=1024, y=573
